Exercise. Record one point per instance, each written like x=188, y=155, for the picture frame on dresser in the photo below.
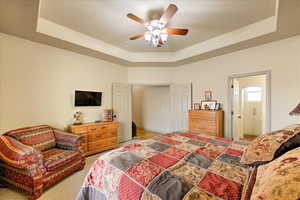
x=218, y=106
x=211, y=104
x=197, y=106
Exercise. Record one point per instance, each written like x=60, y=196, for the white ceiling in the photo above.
x=106, y=20
x=22, y=19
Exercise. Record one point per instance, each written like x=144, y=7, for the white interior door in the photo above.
x=236, y=117
x=181, y=102
x=253, y=111
x=122, y=110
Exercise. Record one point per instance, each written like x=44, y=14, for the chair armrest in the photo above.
x=68, y=141
x=16, y=154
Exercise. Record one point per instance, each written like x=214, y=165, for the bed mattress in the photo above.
x=174, y=166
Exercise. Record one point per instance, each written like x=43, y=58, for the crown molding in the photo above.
x=257, y=29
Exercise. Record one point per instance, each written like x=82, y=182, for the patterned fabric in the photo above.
x=31, y=170
x=21, y=156
x=68, y=141
x=51, y=177
x=248, y=187
x=264, y=147
x=39, y=137
x=171, y=167
x=279, y=179
x=56, y=158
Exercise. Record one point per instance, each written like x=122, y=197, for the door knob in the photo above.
x=239, y=117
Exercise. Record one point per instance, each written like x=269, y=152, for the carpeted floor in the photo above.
x=66, y=189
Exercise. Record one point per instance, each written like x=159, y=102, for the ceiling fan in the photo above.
x=157, y=33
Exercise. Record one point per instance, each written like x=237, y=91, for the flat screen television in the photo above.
x=87, y=98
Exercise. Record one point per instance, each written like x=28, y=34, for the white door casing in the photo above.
x=236, y=109
x=181, y=102
x=122, y=110
x=267, y=113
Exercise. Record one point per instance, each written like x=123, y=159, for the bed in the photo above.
x=170, y=167
x=187, y=166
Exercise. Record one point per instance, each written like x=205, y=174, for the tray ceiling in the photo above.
x=106, y=20
x=100, y=29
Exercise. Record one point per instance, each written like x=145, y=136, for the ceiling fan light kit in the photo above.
x=157, y=33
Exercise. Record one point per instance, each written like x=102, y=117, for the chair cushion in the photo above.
x=55, y=158
x=39, y=137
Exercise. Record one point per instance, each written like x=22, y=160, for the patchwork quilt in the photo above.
x=174, y=166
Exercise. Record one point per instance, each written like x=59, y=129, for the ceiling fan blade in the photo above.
x=137, y=36
x=136, y=18
x=177, y=31
x=168, y=14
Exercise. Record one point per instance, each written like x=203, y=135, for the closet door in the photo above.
x=122, y=111
x=181, y=103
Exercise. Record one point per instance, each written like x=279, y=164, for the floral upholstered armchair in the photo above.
x=33, y=158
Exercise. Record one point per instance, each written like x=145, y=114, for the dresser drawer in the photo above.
x=202, y=115
x=113, y=132
x=95, y=136
x=101, y=144
x=202, y=123
x=93, y=128
x=79, y=130
x=105, y=128
x=102, y=127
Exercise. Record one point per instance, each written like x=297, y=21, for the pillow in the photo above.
x=269, y=146
x=279, y=179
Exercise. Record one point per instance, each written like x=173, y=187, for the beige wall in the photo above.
x=38, y=83
x=151, y=107
x=150, y=75
x=281, y=57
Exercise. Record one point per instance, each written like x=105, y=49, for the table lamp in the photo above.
x=296, y=111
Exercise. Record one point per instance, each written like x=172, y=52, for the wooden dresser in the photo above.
x=208, y=122
x=98, y=136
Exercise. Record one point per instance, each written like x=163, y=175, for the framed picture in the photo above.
x=208, y=95
x=211, y=105
x=218, y=106
x=196, y=106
